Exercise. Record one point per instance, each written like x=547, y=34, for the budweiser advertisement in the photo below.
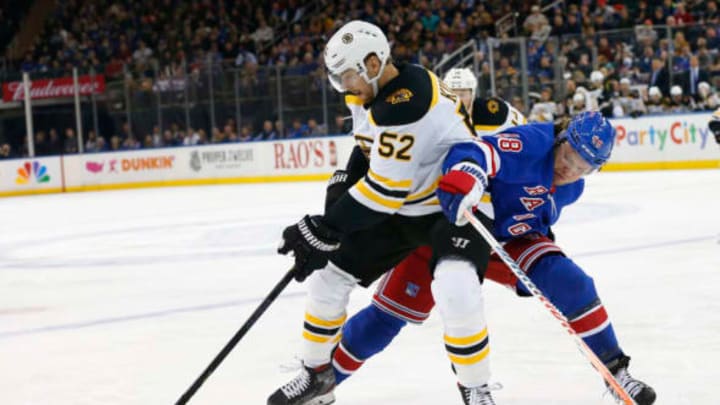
x=54, y=88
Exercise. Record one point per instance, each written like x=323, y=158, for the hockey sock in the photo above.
x=458, y=298
x=571, y=290
x=366, y=333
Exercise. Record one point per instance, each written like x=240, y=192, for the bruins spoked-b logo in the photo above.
x=493, y=106
x=347, y=38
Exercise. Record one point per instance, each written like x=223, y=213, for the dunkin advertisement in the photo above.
x=288, y=160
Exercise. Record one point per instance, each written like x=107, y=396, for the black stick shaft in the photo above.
x=279, y=287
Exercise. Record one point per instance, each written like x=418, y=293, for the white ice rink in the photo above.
x=123, y=297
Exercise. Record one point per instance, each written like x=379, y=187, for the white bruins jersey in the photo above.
x=360, y=129
x=409, y=128
x=493, y=115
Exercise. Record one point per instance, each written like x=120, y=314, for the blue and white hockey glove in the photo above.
x=460, y=189
x=311, y=241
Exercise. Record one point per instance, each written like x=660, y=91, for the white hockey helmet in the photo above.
x=676, y=90
x=348, y=48
x=460, y=79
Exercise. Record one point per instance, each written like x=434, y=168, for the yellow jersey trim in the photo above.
x=389, y=182
x=435, y=89
x=353, y=99
x=426, y=192
x=486, y=127
x=371, y=195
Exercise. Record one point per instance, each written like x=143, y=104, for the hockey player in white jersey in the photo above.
x=714, y=125
x=412, y=121
x=489, y=115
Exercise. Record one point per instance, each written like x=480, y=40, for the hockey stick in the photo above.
x=530, y=286
x=236, y=338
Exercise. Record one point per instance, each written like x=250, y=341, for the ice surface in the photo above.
x=123, y=297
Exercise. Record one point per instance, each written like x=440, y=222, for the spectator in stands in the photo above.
x=264, y=34
x=142, y=54
x=298, y=130
x=41, y=144
x=659, y=76
x=229, y=132
x=218, y=136
x=342, y=125
x=203, y=137
x=267, y=133
x=315, y=129
x=131, y=143
x=245, y=133
x=690, y=79
x=191, y=137
x=147, y=142
x=100, y=145
x=157, y=137
x=168, y=140
x=711, y=15
x=682, y=16
x=6, y=151
x=115, y=143
x=430, y=20
x=280, y=129
x=91, y=141
x=519, y=104
x=54, y=144
x=71, y=142
x=536, y=21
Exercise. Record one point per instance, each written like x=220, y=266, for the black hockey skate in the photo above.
x=476, y=396
x=311, y=387
x=642, y=393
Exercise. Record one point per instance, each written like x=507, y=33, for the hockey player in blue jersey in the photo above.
x=531, y=172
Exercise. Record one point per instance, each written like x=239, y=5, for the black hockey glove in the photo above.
x=336, y=187
x=311, y=241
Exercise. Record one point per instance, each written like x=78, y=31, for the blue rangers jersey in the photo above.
x=519, y=164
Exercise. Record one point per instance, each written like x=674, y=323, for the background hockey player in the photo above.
x=525, y=228
x=412, y=121
x=714, y=125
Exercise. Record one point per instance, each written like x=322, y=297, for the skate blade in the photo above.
x=325, y=399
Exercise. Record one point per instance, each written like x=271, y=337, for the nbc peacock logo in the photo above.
x=31, y=170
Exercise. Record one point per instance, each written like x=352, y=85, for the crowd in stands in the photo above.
x=51, y=142
x=625, y=58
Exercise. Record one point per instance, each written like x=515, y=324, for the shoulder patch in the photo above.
x=399, y=96
x=490, y=111
x=406, y=99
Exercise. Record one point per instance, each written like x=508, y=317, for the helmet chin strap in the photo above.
x=374, y=81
